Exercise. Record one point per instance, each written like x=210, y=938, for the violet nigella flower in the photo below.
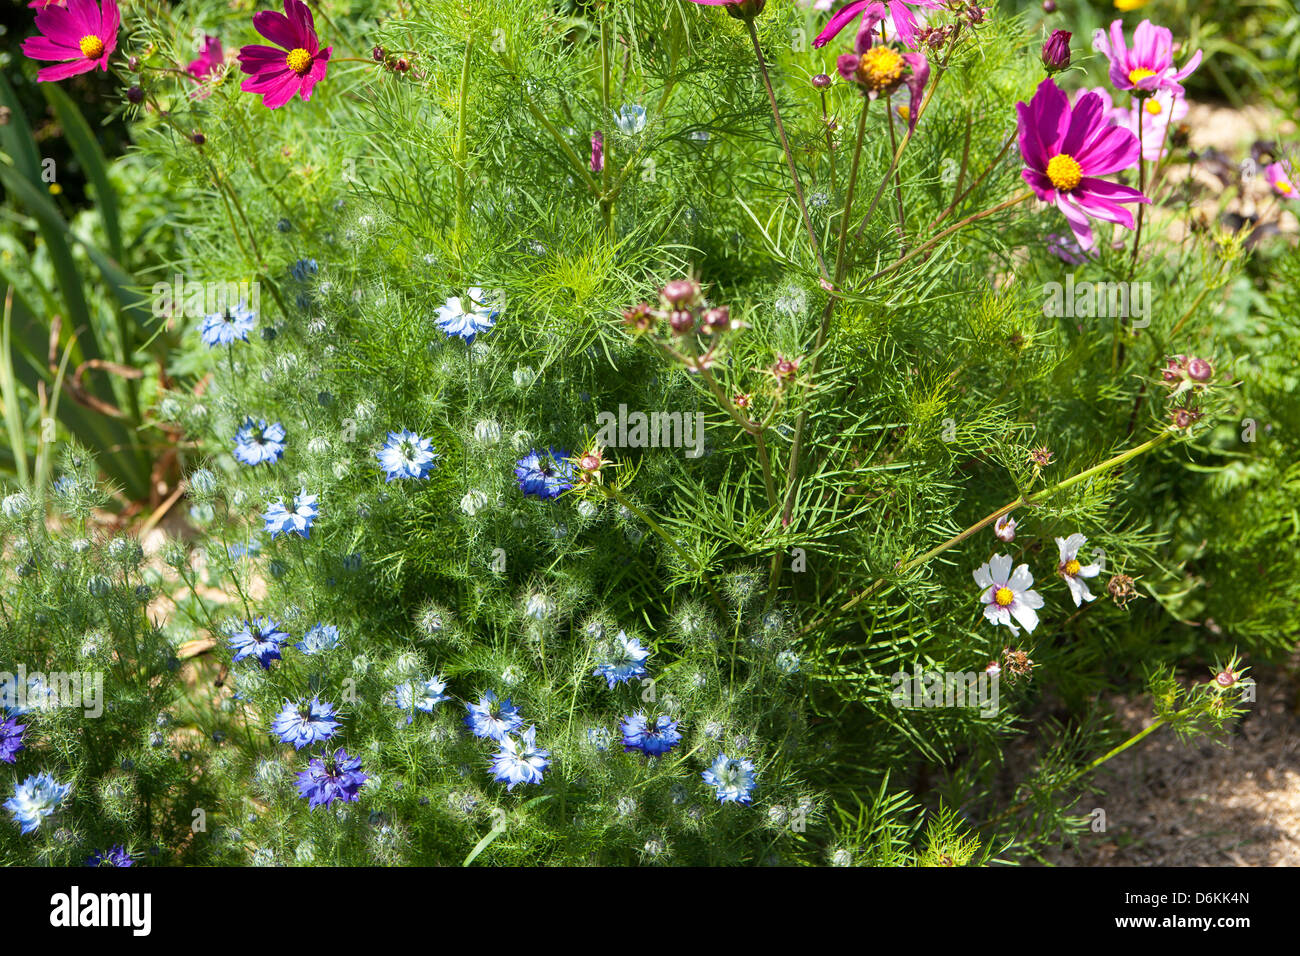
x=1065, y=151
x=1149, y=64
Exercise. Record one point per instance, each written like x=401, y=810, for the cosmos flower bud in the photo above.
x=821, y=81
x=717, y=320
x=784, y=369
x=1049, y=6
x=681, y=292
x=681, y=321
x=135, y=95
x=378, y=54
x=745, y=9
x=1056, y=52
x=1226, y=678
x=639, y=318
x=1184, y=417
x=1199, y=370
x=1005, y=528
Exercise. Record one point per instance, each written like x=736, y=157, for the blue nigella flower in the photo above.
x=261, y=638
x=545, y=475
x=491, y=718
x=407, y=455
x=467, y=317
x=303, y=269
x=11, y=739
x=627, y=661
x=280, y=520
x=114, y=856
x=422, y=695
x=322, y=637
x=331, y=777
x=520, y=761
x=732, y=779
x=238, y=550
x=228, y=326
x=258, y=442
x=630, y=119
x=305, y=723
x=36, y=798
x=652, y=737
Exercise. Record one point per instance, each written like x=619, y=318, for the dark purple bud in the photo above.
x=197, y=138
x=821, y=81
x=1199, y=370
x=378, y=54
x=681, y=292
x=681, y=321
x=745, y=9
x=135, y=95
x=1049, y=6
x=1056, y=51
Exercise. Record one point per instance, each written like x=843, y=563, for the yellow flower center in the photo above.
x=298, y=60
x=1065, y=172
x=1154, y=107
x=904, y=112
x=92, y=47
x=1072, y=567
x=1003, y=597
x=1141, y=73
x=880, y=68
x=1283, y=186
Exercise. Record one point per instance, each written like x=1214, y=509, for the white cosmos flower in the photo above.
x=1005, y=528
x=1007, y=594
x=1073, y=570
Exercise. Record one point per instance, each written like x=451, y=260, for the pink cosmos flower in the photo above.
x=1279, y=178
x=882, y=69
x=209, y=61
x=1065, y=151
x=904, y=19
x=1149, y=64
x=42, y=4
x=82, y=35
x=1157, y=112
x=278, y=76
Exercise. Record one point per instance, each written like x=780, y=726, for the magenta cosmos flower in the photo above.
x=82, y=35
x=879, y=68
x=904, y=20
x=1065, y=151
x=209, y=61
x=1149, y=64
x=1279, y=180
x=276, y=74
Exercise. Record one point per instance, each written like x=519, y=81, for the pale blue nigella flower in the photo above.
x=257, y=442
x=35, y=799
x=322, y=637
x=228, y=326
x=303, y=269
x=467, y=317
x=520, y=761
x=491, y=718
x=422, y=695
x=630, y=119
x=305, y=723
x=732, y=779
x=279, y=520
x=406, y=455
x=626, y=662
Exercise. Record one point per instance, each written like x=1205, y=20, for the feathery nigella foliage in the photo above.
x=601, y=433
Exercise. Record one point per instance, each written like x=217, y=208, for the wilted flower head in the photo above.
x=1121, y=590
